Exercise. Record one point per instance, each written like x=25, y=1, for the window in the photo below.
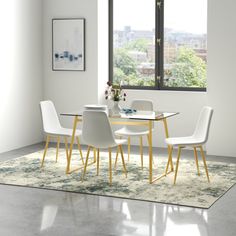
x=158, y=44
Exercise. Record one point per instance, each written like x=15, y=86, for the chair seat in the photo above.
x=65, y=132
x=120, y=141
x=184, y=141
x=128, y=132
x=111, y=145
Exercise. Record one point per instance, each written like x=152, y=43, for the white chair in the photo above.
x=97, y=133
x=53, y=128
x=136, y=131
x=198, y=138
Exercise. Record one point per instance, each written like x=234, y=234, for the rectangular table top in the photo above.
x=138, y=115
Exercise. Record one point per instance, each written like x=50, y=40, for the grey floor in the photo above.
x=29, y=211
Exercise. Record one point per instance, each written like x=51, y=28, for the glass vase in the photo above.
x=116, y=108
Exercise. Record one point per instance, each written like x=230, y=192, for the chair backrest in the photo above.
x=142, y=105
x=203, y=124
x=96, y=129
x=49, y=115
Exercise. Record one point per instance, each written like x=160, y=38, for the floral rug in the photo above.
x=190, y=189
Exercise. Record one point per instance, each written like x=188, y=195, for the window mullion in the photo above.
x=159, y=42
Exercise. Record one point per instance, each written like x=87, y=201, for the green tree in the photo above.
x=189, y=70
x=140, y=45
x=118, y=75
x=124, y=62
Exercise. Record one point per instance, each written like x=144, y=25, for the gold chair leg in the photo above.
x=110, y=167
x=149, y=144
x=170, y=150
x=196, y=159
x=86, y=162
x=128, y=148
x=94, y=154
x=123, y=160
x=205, y=165
x=66, y=145
x=98, y=157
x=141, y=151
x=117, y=154
x=177, y=164
x=45, y=149
x=80, y=150
x=58, y=145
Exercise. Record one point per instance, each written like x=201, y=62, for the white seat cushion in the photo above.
x=185, y=141
x=131, y=132
x=116, y=143
x=65, y=132
x=120, y=141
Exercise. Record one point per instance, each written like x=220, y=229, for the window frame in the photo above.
x=159, y=52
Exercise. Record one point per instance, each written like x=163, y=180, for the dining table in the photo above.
x=137, y=118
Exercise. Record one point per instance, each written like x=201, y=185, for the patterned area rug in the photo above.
x=190, y=190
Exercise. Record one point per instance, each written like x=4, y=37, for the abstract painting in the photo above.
x=68, y=46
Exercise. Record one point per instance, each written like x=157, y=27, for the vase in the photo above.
x=116, y=108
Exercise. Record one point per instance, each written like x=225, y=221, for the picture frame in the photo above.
x=68, y=44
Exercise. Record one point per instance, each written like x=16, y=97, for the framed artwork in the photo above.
x=68, y=44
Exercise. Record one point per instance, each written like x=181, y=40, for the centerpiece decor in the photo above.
x=116, y=94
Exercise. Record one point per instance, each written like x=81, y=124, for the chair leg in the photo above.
x=196, y=159
x=94, y=154
x=66, y=145
x=98, y=157
x=117, y=153
x=205, y=165
x=141, y=151
x=171, y=163
x=86, y=162
x=110, y=167
x=148, y=144
x=58, y=145
x=177, y=164
x=128, y=148
x=80, y=150
x=123, y=160
x=45, y=149
x=170, y=150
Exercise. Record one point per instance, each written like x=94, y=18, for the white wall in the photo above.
x=222, y=76
x=71, y=90
x=103, y=46
x=21, y=73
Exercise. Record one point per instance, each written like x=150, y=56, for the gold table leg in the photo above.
x=71, y=144
x=151, y=179
x=150, y=150
x=167, y=136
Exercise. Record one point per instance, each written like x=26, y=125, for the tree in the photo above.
x=140, y=45
x=118, y=75
x=124, y=62
x=189, y=70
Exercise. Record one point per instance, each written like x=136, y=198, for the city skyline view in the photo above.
x=183, y=51
x=176, y=17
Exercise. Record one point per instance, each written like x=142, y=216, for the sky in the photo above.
x=181, y=15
